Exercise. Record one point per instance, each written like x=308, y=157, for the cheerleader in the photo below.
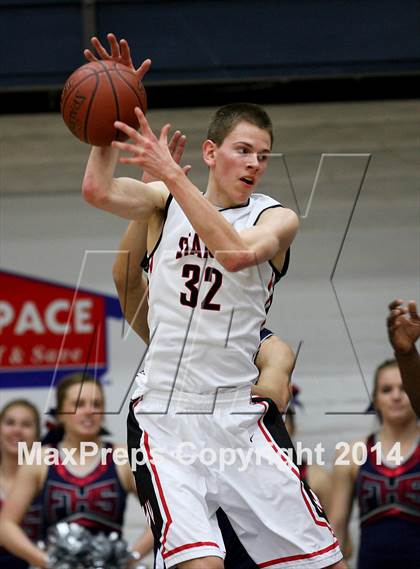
x=383, y=474
x=88, y=490
x=19, y=422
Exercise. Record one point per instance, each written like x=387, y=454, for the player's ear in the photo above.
x=209, y=148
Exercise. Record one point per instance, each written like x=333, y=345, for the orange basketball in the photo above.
x=98, y=94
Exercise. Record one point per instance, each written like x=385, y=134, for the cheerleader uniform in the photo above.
x=389, y=503
x=95, y=500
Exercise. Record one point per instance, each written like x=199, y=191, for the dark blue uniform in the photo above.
x=95, y=501
x=389, y=502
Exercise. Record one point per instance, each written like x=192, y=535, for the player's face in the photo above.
x=82, y=411
x=391, y=399
x=241, y=160
x=18, y=425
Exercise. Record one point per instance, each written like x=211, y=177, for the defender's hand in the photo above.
x=403, y=325
x=176, y=148
x=148, y=151
x=120, y=52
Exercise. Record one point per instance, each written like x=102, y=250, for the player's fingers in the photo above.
x=412, y=309
x=390, y=321
x=187, y=169
x=114, y=45
x=125, y=53
x=100, y=50
x=395, y=314
x=180, y=147
x=173, y=143
x=164, y=133
x=129, y=131
x=395, y=303
x=129, y=160
x=89, y=55
x=144, y=125
x=124, y=146
x=143, y=69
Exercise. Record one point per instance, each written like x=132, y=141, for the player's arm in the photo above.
x=276, y=361
x=129, y=279
x=124, y=197
x=12, y=537
x=404, y=330
x=342, y=494
x=235, y=251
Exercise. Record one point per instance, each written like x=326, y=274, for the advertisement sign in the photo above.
x=48, y=329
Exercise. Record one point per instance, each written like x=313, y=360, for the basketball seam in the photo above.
x=131, y=87
x=93, y=74
x=113, y=92
x=85, y=129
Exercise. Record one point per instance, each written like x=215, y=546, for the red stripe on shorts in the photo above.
x=298, y=557
x=189, y=546
x=308, y=505
x=295, y=471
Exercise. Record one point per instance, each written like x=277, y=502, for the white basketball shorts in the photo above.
x=198, y=455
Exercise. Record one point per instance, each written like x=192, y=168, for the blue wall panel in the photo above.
x=215, y=40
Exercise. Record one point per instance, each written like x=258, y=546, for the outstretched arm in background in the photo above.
x=130, y=280
x=404, y=330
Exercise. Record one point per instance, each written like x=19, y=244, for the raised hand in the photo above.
x=403, y=324
x=147, y=151
x=119, y=52
x=176, y=148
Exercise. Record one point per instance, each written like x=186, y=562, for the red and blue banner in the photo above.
x=48, y=330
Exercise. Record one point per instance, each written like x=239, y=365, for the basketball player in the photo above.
x=404, y=330
x=213, y=263
x=275, y=359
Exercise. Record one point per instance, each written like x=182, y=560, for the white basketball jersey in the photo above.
x=204, y=321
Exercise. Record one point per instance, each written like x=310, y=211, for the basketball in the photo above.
x=96, y=95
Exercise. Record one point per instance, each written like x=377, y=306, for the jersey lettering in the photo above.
x=64, y=500
x=193, y=248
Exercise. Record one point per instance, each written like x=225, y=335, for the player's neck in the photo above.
x=220, y=198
